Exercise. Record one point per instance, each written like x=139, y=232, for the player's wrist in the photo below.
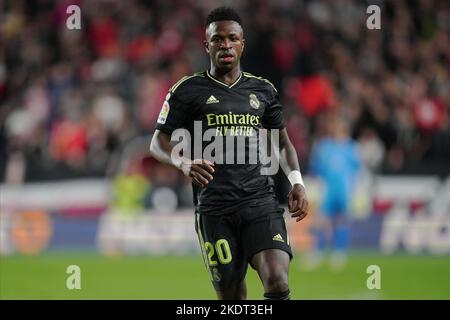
x=295, y=177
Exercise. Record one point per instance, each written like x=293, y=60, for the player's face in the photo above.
x=224, y=43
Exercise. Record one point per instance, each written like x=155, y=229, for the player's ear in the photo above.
x=206, y=46
x=243, y=44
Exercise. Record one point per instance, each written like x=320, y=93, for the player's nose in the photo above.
x=226, y=44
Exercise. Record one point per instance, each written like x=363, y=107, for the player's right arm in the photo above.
x=178, y=111
x=199, y=170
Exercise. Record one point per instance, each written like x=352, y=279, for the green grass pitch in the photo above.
x=185, y=278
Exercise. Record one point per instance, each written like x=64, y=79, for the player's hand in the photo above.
x=200, y=171
x=297, y=202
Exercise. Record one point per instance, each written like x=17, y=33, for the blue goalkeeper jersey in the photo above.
x=336, y=163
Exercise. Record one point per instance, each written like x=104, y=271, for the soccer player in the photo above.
x=238, y=219
x=336, y=162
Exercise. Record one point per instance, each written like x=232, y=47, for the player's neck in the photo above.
x=226, y=76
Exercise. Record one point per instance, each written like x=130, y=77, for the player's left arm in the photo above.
x=297, y=200
x=273, y=119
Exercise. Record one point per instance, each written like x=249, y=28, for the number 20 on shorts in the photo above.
x=223, y=252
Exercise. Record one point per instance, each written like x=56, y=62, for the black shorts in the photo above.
x=228, y=242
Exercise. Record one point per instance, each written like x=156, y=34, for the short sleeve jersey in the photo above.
x=225, y=123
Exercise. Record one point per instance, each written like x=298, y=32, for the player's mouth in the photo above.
x=226, y=57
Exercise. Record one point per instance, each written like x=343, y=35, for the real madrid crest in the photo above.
x=254, y=102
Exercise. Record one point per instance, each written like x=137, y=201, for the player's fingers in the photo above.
x=305, y=206
x=294, y=206
x=197, y=183
x=202, y=172
x=301, y=204
x=205, y=161
x=303, y=210
x=199, y=178
x=301, y=217
x=296, y=214
x=296, y=211
x=290, y=197
x=208, y=166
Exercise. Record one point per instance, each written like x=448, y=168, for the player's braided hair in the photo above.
x=221, y=14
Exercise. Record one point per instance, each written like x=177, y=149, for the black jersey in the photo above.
x=239, y=110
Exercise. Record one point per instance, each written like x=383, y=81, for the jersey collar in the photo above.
x=223, y=83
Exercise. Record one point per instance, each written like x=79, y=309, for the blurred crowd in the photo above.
x=76, y=103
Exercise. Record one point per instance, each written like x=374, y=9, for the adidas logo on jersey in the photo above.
x=212, y=99
x=278, y=237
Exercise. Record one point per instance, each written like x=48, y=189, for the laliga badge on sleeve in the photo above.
x=164, y=112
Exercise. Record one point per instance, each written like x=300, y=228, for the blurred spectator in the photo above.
x=313, y=94
x=428, y=115
x=371, y=149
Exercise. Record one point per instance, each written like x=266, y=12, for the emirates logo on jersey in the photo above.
x=254, y=102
